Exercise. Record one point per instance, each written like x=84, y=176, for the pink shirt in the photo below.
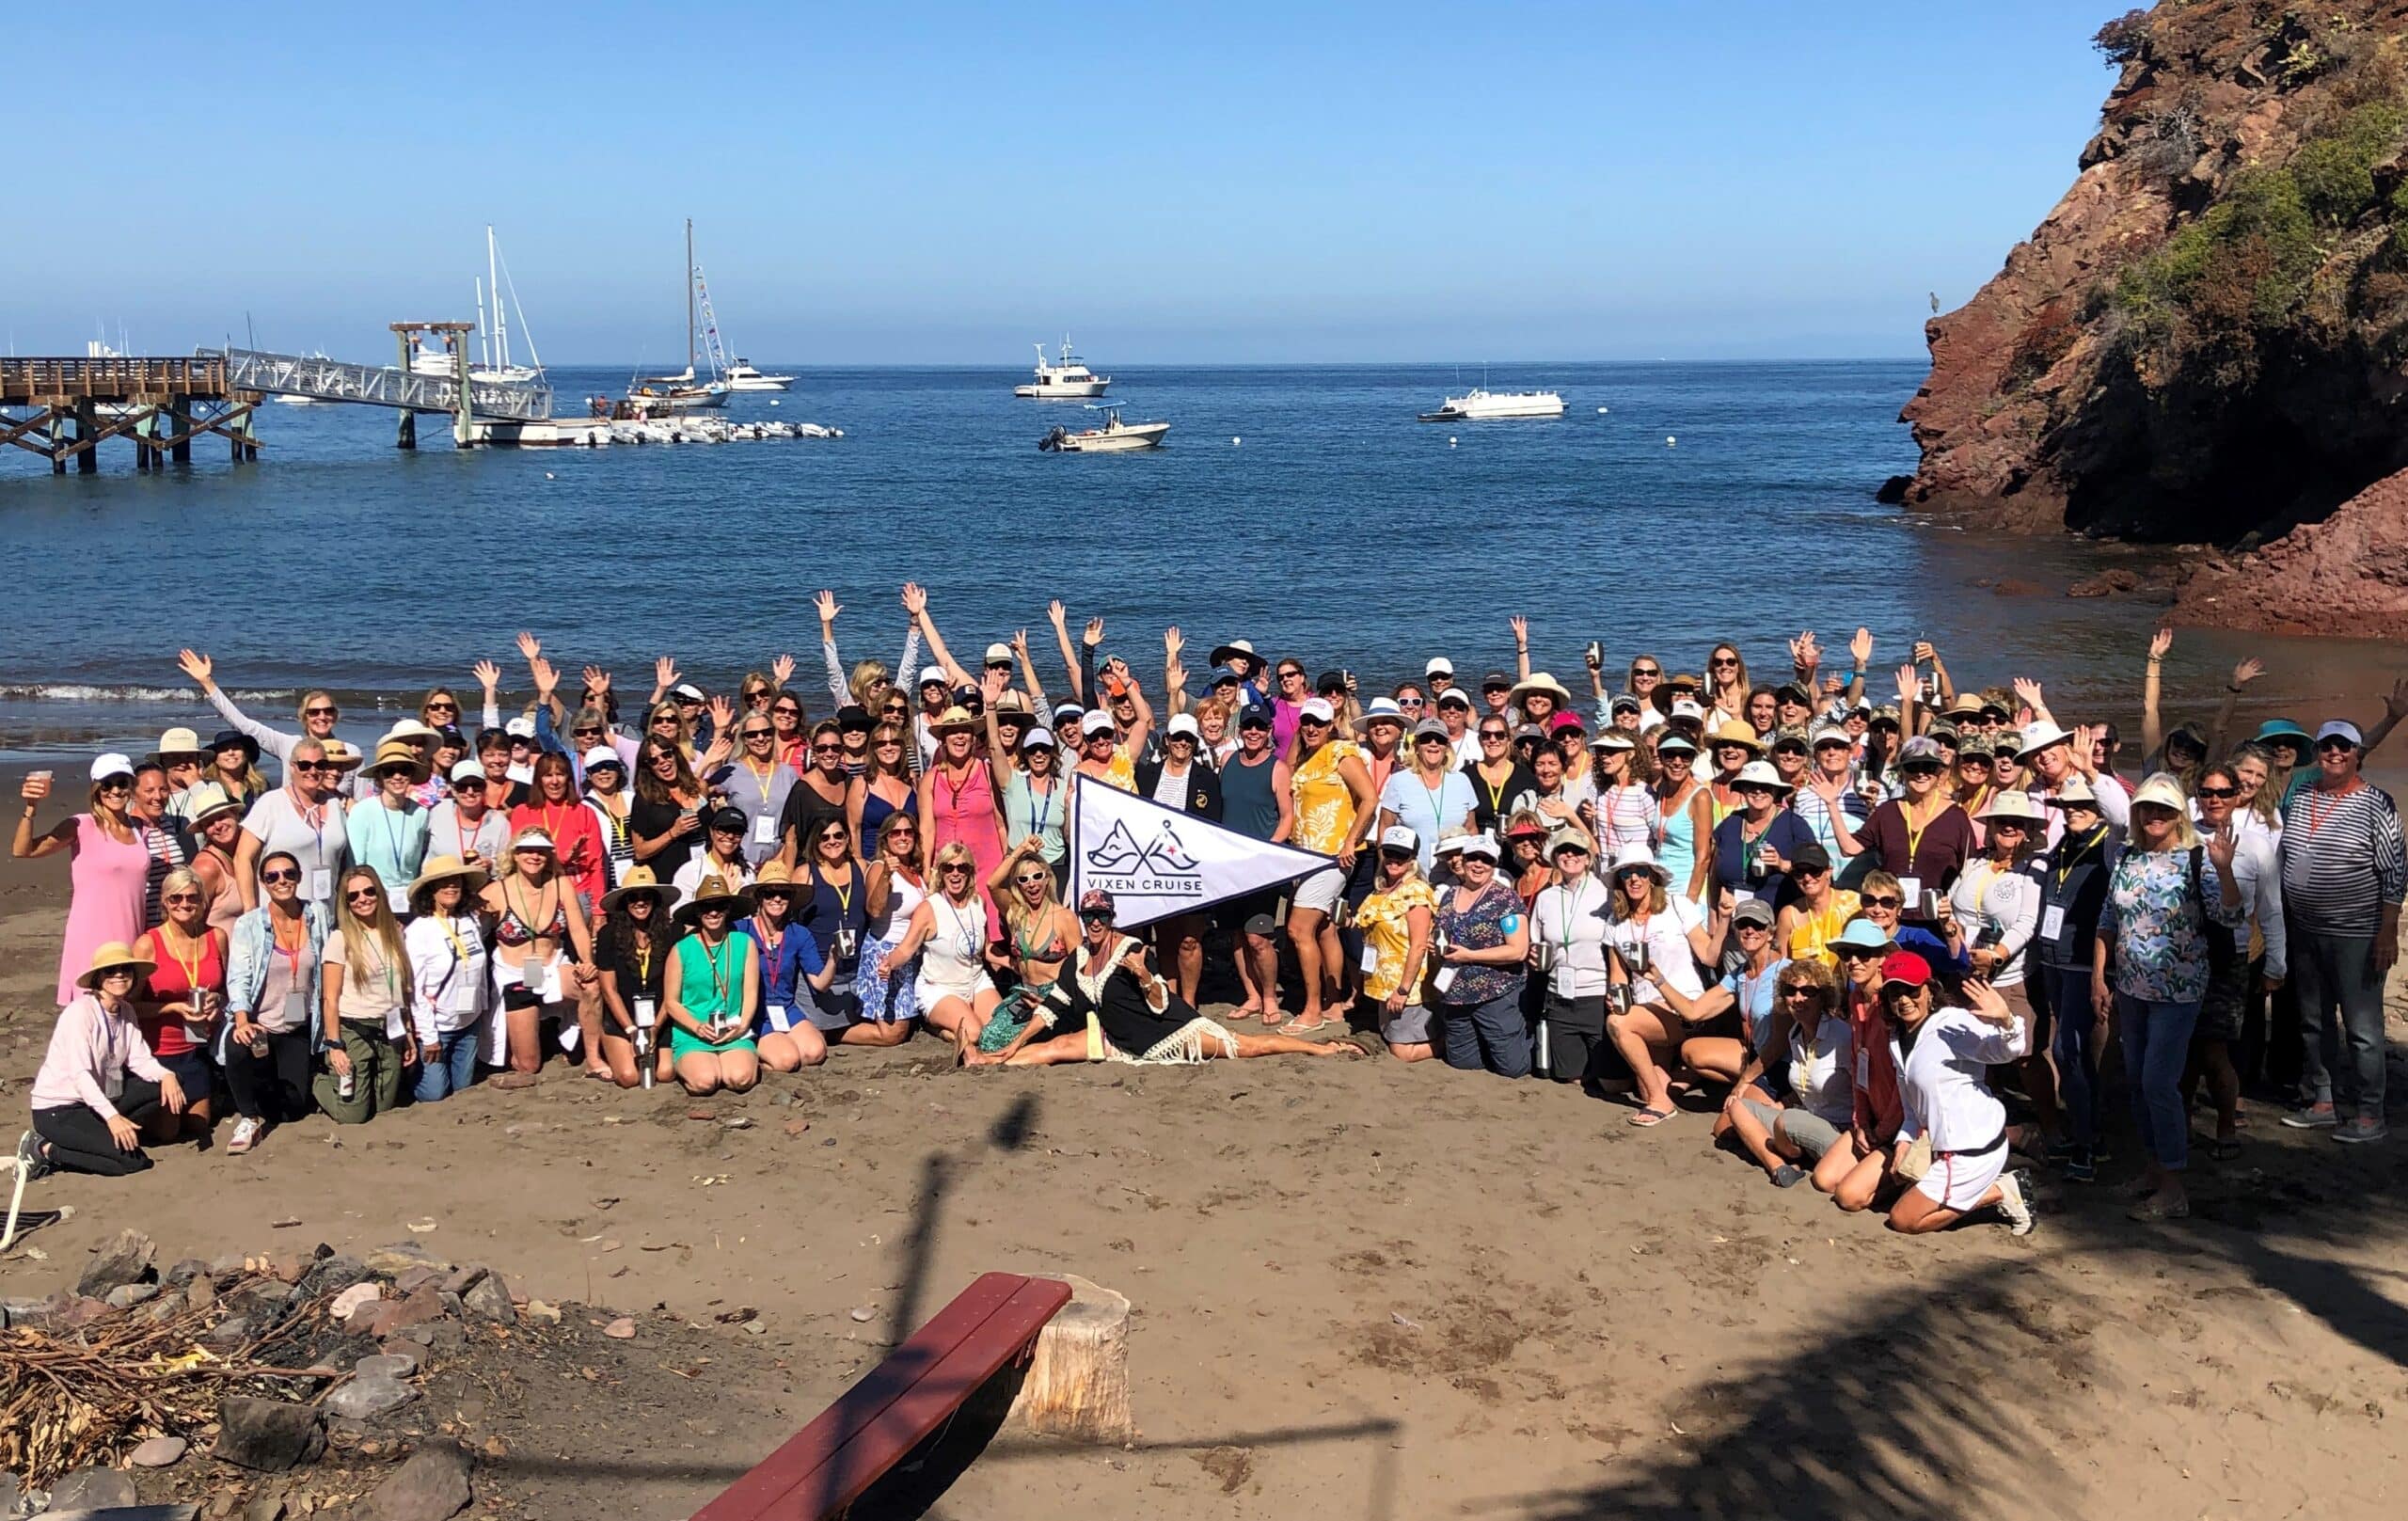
x=90, y=1051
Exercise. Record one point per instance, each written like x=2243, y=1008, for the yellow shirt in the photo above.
x=1382, y=920
x=1813, y=932
x=1324, y=806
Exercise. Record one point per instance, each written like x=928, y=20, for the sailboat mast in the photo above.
x=484, y=334
x=690, y=296
x=501, y=317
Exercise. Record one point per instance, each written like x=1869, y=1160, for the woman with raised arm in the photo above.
x=1726, y=685
x=109, y=871
x=711, y=993
x=666, y=818
x=364, y=998
x=1038, y=936
x=896, y=881
x=1940, y=1055
x=317, y=712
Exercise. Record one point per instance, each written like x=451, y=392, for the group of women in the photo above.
x=1824, y=920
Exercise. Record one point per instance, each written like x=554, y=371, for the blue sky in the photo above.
x=946, y=184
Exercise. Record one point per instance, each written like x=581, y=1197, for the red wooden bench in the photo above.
x=991, y=1326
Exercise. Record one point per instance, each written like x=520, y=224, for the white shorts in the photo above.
x=1321, y=890
x=931, y=992
x=1959, y=1179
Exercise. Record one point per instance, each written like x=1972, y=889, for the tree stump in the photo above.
x=1078, y=1380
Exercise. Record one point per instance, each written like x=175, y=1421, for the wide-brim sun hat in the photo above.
x=714, y=892
x=1612, y=739
x=342, y=756
x=956, y=719
x=110, y=955
x=2278, y=729
x=2039, y=736
x=1862, y=934
x=235, y=738
x=409, y=729
x=1636, y=857
x=396, y=752
x=1242, y=649
x=1540, y=683
x=2163, y=790
x=1760, y=774
x=2073, y=792
x=441, y=869
x=180, y=741
x=2012, y=805
x=1736, y=732
x=206, y=800
x=638, y=879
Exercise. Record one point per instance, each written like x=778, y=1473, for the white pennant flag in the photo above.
x=1157, y=862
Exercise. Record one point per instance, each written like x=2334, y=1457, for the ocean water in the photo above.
x=1674, y=505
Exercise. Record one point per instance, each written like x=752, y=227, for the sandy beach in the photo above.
x=1360, y=1289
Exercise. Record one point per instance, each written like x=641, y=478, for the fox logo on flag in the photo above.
x=1157, y=862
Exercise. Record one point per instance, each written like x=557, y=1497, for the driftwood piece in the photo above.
x=1078, y=1380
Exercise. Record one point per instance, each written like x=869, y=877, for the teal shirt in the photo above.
x=391, y=840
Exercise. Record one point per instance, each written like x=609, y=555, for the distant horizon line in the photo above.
x=647, y=366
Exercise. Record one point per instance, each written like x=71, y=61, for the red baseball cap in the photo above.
x=1567, y=721
x=1905, y=967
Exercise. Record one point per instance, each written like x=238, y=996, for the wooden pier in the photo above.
x=162, y=405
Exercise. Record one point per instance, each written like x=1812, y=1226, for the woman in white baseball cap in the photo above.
x=109, y=873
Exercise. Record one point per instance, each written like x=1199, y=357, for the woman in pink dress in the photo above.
x=109, y=872
x=958, y=799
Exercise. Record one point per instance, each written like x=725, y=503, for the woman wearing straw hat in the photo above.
x=957, y=798
x=1733, y=744
x=215, y=819
x=543, y=955
x=630, y=966
x=451, y=974
x=109, y=871
x=364, y=1003
x=388, y=829
x=789, y=960
x=711, y=993
x=1657, y=943
x=99, y=1085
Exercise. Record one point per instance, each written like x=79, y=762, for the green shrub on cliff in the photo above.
x=2335, y=169
x=2239, y=269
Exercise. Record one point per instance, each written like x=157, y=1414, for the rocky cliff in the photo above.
x=2206, y=342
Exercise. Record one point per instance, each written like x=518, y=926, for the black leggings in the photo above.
x=80, y=1140
x=273, y=1085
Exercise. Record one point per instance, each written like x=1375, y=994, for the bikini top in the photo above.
x=515, y=931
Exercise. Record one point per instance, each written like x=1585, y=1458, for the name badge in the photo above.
x=322, y=885
x=848, y=943
x=399, y=896
x=646, y=1015
x=1370, y=957
x=523, y=775
x=777, y=1017
x=296, y=1009
x=1445, y=979
x=2053, y=923
x=1910, y=889
x=764, y=832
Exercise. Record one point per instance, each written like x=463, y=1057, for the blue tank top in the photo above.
x=830, y=910
x=1247, y=805
x=1676, y=850
x=875, y=812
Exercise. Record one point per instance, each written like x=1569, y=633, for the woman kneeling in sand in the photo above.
x=1111, y=1005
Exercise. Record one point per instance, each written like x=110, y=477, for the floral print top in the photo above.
x=1486, y=924
x=1382, y=920
x=2157, y=927
x=1324, y=806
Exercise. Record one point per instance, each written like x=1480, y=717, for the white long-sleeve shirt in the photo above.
x=1988, y=897
x=448, y=984
x=1941, y=1085
x=2257, y=870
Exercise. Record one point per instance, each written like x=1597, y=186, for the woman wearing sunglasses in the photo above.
x=235, y=765
x=272, y=983
x=1683, y=840
x=543, y=956
x=99, y=1085
x=666, y=818
x=109, y=869
x=553, y=807
x=822, y=792
x=896, y=884
x=216, y=823
x=1038, y=936
x=837, y=911
x=1333, y=812
x=790, y=724
x=364, y=997
x=1921, y=837
x=722, y=855
x=883, y=790
x=303, y=818
x=317, y=711
x=868, y=682
x=1818, y=1102
x=711, y=993
x=1945, y=1105
x=388, y=830
x=958, y=796
x=631, y=964
x=1726, y=684
x=757, y=784
x=1658, y=940
x=948, y=933
x=791, y=968
x=451, y=991
x=2233, y=972
x=182, y=1004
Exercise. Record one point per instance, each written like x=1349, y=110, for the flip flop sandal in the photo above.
x=1648, y=1118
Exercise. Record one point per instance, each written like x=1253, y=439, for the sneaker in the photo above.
x=246, y=1135
x=2362, y=1131
x=2015, y=1201
x=2314, y=1117
x=2082, y=1166
x=33, y=1158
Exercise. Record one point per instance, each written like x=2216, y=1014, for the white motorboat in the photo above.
x=740, y=376
x=1480, y=402
x=1067, y=378
x=1115, y=437
x=661, y=396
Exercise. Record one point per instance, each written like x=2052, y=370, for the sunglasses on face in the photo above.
x=320, y=713
x=279, y=875
x=883, y=744
x=1855, y=953
x=117, y=784
x=2219, y=792
x=1722, y=660
x=363, y=895
x=1755, y=792
x=773, y=894
x=2335, y=746
x=306, y=766
x=440, y=705
x=783, y=711
x=118, y=974
x=1031, y=882
x=1801, y=990
x=587, y=731
x=472, y=784
x=1750, y=927
x=1882, y=901
x=756, y=733
x=173, y=899
x=1396, y=855
x=1921, y=768
x=1644, y=672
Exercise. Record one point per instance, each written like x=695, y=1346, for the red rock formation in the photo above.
x=2345, y=576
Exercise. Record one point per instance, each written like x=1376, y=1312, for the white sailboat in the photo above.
x=491, y=363
x=657, y=395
